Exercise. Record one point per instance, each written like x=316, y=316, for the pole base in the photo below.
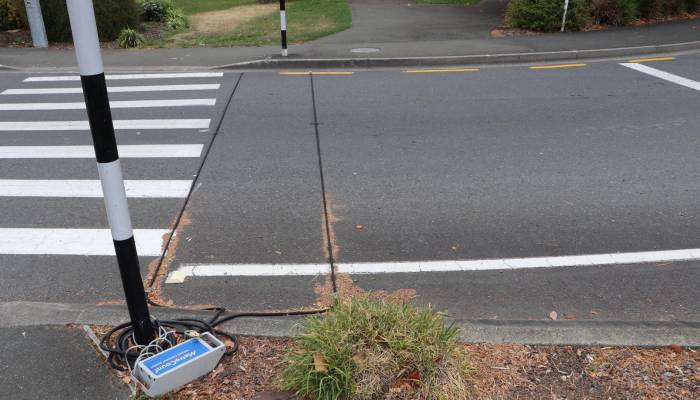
x=285, y=53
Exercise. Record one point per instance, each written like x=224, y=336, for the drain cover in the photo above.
x=365, y=50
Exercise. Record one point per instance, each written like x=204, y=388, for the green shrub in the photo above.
x=175, y=19
x=112, y=16
x=362, y=348
x=665, y=8
x=130, y=37
x=155, y=10
x=11, y=15
x=546, y=15
x=613, y=12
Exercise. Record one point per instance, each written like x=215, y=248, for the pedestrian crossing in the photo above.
x=44, y=132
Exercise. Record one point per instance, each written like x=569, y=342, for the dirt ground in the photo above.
x=500, y=372
x=228, y=20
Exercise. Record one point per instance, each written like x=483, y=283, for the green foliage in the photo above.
x=176, y=19
x=613, y=12
x=692, y=6
x=155, y=10
x=112, y=16
x=130, y=37
x=361, y=347
x=11, y=15
x=546, y=15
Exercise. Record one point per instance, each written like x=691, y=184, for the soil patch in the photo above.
x=229, y=20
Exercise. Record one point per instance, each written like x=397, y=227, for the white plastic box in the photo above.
x=179, y=365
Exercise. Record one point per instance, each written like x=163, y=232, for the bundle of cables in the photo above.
x=124, y=352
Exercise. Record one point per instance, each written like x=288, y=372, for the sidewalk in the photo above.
x=406, y=35
x=54, y=362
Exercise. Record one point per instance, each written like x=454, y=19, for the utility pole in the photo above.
x=92, y=77
x=283, y=27
x=36, y=23
x=563, y=19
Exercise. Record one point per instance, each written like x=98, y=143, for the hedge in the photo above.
x=112, y=16
x=545, y=15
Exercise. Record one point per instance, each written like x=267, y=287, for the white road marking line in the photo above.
x=212, y=270
x=92, y=188
x=81, y=242
x=187, y=270
x=679, y=80
x=113, y=104
x=125, y=151
x=115, y=89
x=118, y=124
x=129, y=76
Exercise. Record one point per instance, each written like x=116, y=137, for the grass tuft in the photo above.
x=367, y=349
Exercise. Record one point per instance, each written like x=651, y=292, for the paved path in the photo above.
x=391, y=21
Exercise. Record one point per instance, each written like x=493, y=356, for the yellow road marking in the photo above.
x=417, y=71
x=641, y=60
x=317, y=73
x=558, y=66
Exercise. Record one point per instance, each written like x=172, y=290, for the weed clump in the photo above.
x=371, y=349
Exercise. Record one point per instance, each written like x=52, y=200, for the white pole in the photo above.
x=36, y=23
x=563, y=19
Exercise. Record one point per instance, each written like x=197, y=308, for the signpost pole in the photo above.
x=36, y=23
x=283, y=27
x=92, y=77
x=563, y=19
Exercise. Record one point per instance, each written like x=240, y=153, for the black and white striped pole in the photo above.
x=283, y=27
x=92, y=77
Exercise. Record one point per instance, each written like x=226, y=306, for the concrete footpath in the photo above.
x=396, y=33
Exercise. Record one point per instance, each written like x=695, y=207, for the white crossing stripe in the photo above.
x=679, y=80
x=203, y=270
x=129, y=76
x=82, y=242
x=113, y=104
x=114, y=89
x=92, y=188
x=118, y=124
x=211, y=270
x=125, y=151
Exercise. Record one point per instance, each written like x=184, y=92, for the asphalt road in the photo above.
x=503, y=162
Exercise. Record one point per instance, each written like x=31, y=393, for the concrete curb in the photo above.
x=596, y=333
x=291, y=63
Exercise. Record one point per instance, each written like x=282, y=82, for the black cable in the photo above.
x=329, y=243
x=120, y=339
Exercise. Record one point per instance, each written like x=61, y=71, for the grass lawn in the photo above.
x=464, y=2
x=306, y=20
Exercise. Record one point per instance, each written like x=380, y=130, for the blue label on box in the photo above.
x=176, y=356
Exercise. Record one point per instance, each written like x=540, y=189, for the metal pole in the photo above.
x=563, y=19
x=283, y=27
x=92, y=77
x=36, y=23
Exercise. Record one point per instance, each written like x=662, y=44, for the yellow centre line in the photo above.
x=558, y=66
x=317, y=73
x=641, y=60
x=421, y=71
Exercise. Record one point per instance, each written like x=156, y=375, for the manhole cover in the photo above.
x=365, y=50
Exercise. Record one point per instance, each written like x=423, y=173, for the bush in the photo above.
x=546, y=15
x=175, y=19
x=11, y=15
x=112, y=16
x=155, y=10
x=129, y=37
x=691, y=6
x=613, y=12
x=363, y=348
